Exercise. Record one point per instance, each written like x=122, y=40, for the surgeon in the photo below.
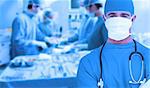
x=100, y=34
x=88, y=27
x=120, y=62
x=26, y=38
x=48, y=25
x=93, y=12
x=85, y=17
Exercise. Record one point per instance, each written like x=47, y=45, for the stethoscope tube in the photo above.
x=130, y=66
x=100, y=81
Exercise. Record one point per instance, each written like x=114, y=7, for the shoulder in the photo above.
x=20, y=20
x=144, y=51
x=91, y=58
x=142, y=48
x=40, y=25
x=20, y=17
x=90, y=65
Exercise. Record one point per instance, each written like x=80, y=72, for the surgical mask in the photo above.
x=83, y=10
x=48, y=20
x=30, y=13
x=118, y=27
x=91, y=14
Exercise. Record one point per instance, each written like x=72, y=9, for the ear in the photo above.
x=133, y=18
x=104, y=17
x=44, y=17
x=130, y=30
x=41, y=8
x=30, y=6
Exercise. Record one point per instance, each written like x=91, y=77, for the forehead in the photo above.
x=35, y=4
x=115, y=13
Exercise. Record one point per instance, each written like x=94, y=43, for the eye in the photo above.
x=37, y=6
x=125, y=15
x=112, y=16
x=90, y=6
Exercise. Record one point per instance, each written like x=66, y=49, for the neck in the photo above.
x=30, y=13
x=98, y=13
x=125, y=41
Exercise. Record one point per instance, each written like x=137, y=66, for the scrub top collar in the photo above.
x=47, y=22
x=119, y=46
x=29, y=14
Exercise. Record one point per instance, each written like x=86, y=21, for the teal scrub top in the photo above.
x=115, y=62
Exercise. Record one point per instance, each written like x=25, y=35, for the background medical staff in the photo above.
x=26, y=37
x=48, y=26
x=99, y=35
x=113, y=67
x=88, y=28
x=88, y=23
x=85, y=17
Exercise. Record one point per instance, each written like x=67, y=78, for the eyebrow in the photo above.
x=124, y=14
x=111, y=14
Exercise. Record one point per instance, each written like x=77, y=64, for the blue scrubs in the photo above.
x=47, y=28
x=99, y=35
x=115, y=72
x=80, y=31
x=88, y=28
x=24, y=30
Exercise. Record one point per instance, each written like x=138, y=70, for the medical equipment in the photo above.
x=4, y=47
x=133, y=81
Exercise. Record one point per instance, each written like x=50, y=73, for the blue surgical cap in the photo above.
x=48, y=13
x=89, y=2
x=35, y=1
x=119, y=5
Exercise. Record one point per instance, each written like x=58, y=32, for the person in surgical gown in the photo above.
x=99, y=34
x=26, y=37
x=48, y=26
x=119, y=16
x=85, y=17
x=84, y=22
x=87, y=26
x=93, y=32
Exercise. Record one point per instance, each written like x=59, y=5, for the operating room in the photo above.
x=50, y=43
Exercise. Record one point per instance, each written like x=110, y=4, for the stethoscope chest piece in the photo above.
x=100, y=83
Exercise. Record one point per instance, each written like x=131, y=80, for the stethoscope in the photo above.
x=133, y=81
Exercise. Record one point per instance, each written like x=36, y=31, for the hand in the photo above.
x=80, y=42
x=40, y=44
x=52, y=40
x=145, y=85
